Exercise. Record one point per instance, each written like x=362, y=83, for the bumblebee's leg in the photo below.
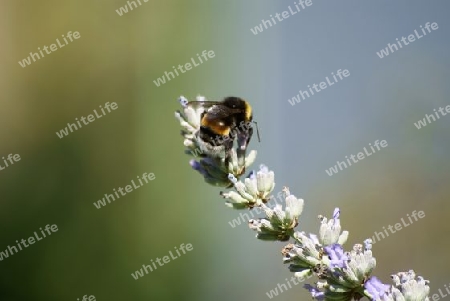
x=243, y=141
x=228, y=144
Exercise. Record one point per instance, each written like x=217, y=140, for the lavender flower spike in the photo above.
x=330, y=230
x=253, y=192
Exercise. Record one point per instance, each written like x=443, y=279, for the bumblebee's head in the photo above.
x=237, y=103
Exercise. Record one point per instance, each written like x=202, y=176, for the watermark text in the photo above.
x=265, y=24
x=169, y=75
x=11, y=250
x=49, y=49
x=391, y=48
x=316, y=88
x=423, y=122
x=86, y=120
x=360, y=156
x=120, y=191
x=161, y=261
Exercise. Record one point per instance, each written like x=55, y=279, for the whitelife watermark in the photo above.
x=319, y=87
x=166, y=259
x=53, y=47
x=423, y=122
x=86, y=298
x=414, y=217
x=391, y=48
x=167, y=75
x=360, y=156
x=280, y=17
x=284, y=286
x=86, y=120
x=124, y=9
x=31, y=241
x=11, y=158
x=146, y=177
x=441, y=295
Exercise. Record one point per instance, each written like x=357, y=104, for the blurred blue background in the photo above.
x=118, y=57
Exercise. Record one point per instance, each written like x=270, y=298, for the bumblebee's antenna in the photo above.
x=257, y=131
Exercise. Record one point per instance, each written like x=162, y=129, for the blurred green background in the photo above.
x=116, y=60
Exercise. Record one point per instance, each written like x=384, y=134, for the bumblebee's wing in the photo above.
x=215, y=109
x=202, y=104
x=219, y=115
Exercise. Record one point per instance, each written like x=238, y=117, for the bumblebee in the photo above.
x=222, y=123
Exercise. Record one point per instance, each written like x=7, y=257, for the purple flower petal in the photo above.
x=198, y=167
x=336, y=214
x=315, y=293
x=183, y=101
x=338, y=258
x=263, y=168
x=376, y=288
